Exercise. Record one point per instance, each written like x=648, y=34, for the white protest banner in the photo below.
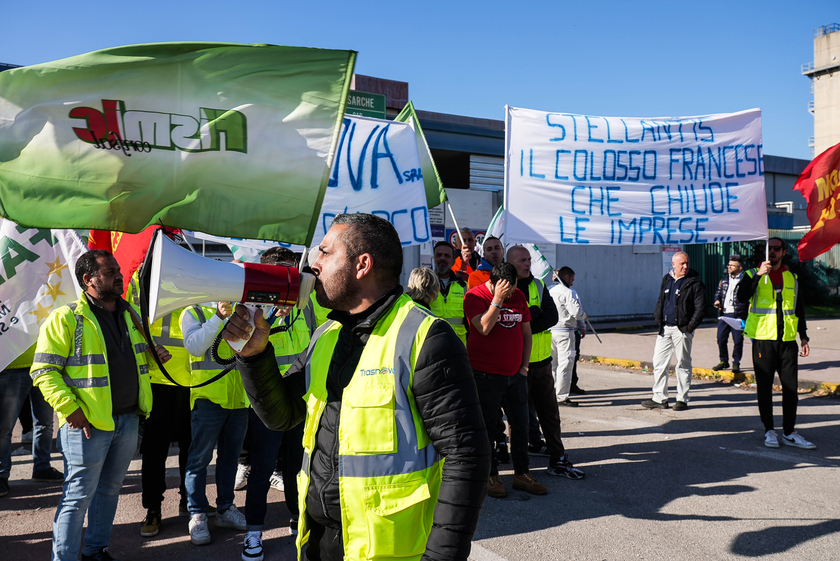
x=248, y=251
x=37, y=275
x=377, y=170
x=580, y=179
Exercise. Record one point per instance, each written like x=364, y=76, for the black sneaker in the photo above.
x=568, y=403
x=564, y=468
x=736, y=368
x=722, y=365
x=50, y=475
x=4, y=486
x=538, y=449
x=103, y=555
x=651, y=404
x=502, y=454
x=577, y=391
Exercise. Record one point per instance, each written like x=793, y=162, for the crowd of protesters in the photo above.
x=520, y=336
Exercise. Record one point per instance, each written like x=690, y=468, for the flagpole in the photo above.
x=767, y=254
x=505, y=201
x=593, y=330
x=457, y=228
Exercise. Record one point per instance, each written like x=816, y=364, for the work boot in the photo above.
x=495, y=488
x=526, y=482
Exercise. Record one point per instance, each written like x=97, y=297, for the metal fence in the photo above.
x=819, y=279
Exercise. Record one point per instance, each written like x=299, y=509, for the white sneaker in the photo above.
x=242, y=473
x=231, y=518
x=276, y=481
x=771, y=439
x=199, y=532
x=794, y=439
x=252, y=549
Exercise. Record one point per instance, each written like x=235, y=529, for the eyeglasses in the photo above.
x=775, y=248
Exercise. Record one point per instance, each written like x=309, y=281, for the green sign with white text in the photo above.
x=365, y=104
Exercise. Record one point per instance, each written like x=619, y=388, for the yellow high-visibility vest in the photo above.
x=388, y=478
x=540, y=342
x=70, y=365
x=228, y=391
x=762, y=321
x=289, y=344
x=451, y=308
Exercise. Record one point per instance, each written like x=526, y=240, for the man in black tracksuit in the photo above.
x=357, y=278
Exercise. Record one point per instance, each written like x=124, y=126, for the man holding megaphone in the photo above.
x=385, y=392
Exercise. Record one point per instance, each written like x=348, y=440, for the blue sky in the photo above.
x=612, y=58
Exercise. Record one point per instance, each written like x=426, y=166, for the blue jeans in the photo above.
x=15, y=385
x=93, y=475
x=265, y=444
x=212, y=423
x=723, y=341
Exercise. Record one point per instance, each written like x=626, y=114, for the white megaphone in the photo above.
x=180, y=278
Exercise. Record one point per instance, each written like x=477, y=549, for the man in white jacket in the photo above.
x=563, y=333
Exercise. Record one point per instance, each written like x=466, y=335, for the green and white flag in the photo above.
x=37, y=274
x=435, y=193
x=232, y=140
x=540, y=267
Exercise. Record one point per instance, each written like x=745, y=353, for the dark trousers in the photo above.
x=168, y=422
x=291, y=452
x=723, y=341
x=495, y=390
x=770, y=357
x=542, y=395
x=265, y=444
x=577, y=358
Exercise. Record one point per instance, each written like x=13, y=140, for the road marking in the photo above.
x=788, y=457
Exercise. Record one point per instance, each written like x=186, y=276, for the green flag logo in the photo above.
x=136, y=131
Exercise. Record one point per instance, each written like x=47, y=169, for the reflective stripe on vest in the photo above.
x=97, y=382
x=78, y=359
x=165, y=338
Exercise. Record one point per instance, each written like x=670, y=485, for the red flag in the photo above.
x=819, y=185
x=128, y=249
x=100, y=239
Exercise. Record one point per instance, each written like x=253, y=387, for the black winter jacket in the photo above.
x=691, y=303
x=447, y=400
x=742, y=309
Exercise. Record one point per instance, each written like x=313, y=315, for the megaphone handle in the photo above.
x=252, y=309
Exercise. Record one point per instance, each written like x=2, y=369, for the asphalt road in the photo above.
x=697, y=484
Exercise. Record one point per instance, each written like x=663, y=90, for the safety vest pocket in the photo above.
x=396, y=519
x=368, y=424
